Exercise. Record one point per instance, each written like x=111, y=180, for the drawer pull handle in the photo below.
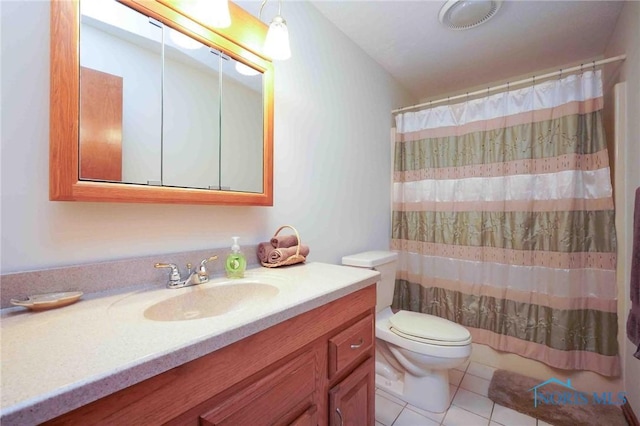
x=357, y=345
x=340, y=415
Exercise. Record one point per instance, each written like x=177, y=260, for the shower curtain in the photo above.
x=503, y=221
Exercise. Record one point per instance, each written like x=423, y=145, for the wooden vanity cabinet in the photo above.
x=306, y=371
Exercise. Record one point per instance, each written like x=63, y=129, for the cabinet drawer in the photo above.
x=350, y=344
x=281, y=398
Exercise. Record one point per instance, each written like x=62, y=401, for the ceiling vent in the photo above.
x=466, y=14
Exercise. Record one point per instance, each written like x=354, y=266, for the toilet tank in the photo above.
x=383, y=262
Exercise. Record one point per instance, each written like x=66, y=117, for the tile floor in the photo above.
x=470, y=406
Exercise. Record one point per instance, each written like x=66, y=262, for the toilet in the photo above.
x=414, y=351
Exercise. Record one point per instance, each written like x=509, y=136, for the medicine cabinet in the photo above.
x=150, y=104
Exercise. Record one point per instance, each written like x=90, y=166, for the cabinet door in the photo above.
x=351, y=400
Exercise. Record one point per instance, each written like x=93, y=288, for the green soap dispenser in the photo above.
x=236, y=262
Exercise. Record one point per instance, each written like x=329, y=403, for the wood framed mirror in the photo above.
x=245, y=173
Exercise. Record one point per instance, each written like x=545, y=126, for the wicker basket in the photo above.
x=291, y=260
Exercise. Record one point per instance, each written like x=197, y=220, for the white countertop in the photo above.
x=57, y=360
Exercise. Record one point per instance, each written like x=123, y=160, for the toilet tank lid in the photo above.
x=370, y=259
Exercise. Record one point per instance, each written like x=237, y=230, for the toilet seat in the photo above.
x=429, y=329
x=384, y=332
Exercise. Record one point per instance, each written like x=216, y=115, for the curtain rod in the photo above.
x=515, y=83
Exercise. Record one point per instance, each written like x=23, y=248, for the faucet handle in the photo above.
x=203, y=269
x=174, y=274
x=208, y=260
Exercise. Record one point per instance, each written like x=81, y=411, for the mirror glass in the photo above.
x=159, y=108
x=191, y=113
x=242, y=128
x=120, y=91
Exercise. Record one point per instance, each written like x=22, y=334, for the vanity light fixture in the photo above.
x=218, y=12
x=217, y=15
x=466, y=14
x=276, y=44
x=213, y=13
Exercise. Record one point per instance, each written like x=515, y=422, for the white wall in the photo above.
x=626, y=39
x=332, y=165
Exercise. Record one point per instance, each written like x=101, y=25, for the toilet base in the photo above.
x=428, y=393
x=394, y=387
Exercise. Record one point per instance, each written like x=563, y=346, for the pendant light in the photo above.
x=276, y=44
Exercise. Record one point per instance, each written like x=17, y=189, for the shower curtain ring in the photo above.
x=594, y=66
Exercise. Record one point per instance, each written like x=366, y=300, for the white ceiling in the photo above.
x=428, y=59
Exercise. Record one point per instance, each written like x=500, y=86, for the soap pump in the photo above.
x=236, y=262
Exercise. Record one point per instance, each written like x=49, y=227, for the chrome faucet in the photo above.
x=199, y=276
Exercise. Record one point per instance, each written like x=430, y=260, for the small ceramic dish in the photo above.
x=39, y=302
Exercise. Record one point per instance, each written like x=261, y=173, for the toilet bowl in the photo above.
x=414, y=351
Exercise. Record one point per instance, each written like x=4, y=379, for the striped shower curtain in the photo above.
x=503, y=220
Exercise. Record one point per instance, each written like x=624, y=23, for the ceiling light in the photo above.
x=466, y=14
x=276, y=44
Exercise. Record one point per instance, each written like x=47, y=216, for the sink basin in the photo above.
x=204, y=302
